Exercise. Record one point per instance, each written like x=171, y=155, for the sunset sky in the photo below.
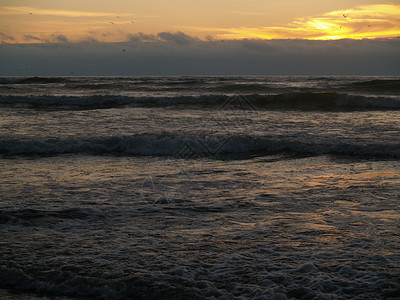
x=23, y=21
x=178, y=22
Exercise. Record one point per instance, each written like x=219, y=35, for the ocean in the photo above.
x=220, y=187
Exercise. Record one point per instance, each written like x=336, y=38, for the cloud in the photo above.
x=180, y=54
x=60, y=38
x=174, y=38
x=51, y=39
x=141, y=37
x=25, y=22
x=6, y=37
x=177, y=38
x=28, y=37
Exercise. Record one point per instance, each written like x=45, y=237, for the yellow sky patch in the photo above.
x=22, y=24
x=372, y=21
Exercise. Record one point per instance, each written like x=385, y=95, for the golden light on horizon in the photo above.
x=373, y=21
x=25, y=24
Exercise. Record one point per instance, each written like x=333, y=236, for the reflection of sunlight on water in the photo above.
x=227, y=216
x=333, y=204
x=383, y=215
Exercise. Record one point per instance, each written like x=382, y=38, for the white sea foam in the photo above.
x=203, y=188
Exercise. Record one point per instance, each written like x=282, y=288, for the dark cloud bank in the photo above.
x=179, y=54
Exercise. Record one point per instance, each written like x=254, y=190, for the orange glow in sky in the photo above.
x=41, y=21
x=373, y=21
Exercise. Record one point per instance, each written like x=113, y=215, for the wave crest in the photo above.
x=286, y=101
x=194, y=147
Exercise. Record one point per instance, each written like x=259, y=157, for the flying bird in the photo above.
x=112, y=23
x=344, y=16
x=132, y=22
x=117, y=17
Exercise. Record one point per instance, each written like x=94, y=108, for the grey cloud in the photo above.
x=141, y=37
x=173, y=38
x=54, y=38
x=6, y=37
x=177, y=38
x=29, y=37
x=179, y=54
x=59, y=38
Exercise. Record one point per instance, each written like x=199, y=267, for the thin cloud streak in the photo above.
x=23, y=10
x=6, y=37
x=24, y=21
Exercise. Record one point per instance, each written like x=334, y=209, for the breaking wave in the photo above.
x=38, y=80
x=285, y=101
x=380, y=85
x=194, y=147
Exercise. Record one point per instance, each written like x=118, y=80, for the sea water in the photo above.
x=200, y=187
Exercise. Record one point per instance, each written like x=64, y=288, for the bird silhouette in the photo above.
x=112, y=23
x=344, y=16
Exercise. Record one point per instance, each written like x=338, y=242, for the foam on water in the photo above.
x=200, y=187
x=317, y=235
